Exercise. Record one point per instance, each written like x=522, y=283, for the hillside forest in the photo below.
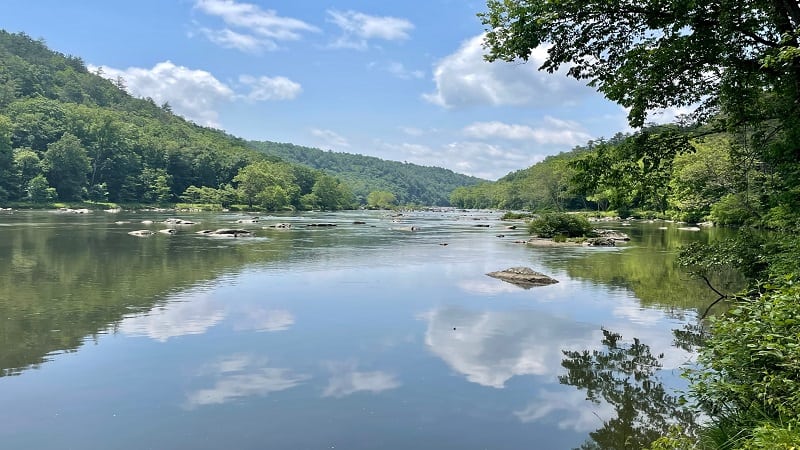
x=71, y=135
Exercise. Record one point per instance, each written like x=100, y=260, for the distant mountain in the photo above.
x=410, y=183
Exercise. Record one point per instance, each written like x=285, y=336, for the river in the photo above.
x=358, y=336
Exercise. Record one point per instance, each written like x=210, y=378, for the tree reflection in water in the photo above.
x=625, y=375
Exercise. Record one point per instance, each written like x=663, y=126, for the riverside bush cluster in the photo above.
x=560, y=224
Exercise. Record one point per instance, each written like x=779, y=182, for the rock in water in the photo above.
x=524, y=277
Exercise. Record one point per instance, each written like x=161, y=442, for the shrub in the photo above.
x=510, y=215
x=552, y=224
x=751, y=364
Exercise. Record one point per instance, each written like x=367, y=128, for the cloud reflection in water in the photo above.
x=346, y=380
x=241, y=376
x=491, y=347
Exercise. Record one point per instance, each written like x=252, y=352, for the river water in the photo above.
x=358, y=336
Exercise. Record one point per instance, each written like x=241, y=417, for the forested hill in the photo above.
x=410, y=183
x=69, y=134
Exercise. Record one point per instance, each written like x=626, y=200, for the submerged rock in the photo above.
x=524, y=277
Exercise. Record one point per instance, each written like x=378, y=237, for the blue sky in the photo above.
x=398, y=80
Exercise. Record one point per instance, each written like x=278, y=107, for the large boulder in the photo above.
x=524, y=277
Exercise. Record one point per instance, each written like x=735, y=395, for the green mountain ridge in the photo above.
x=410, y=183
x=69, y=134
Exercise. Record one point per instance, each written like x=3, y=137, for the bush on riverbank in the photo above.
x=554, y=224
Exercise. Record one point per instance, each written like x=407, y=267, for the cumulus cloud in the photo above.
x=241, y=376
x=266, y=88
x=230, y=39
x=194, y=94
x=346, y=380
x=258, y=29
x=465, y=79
x=481, y=159
x=552, y=132
x=329, y=139
x=359, y=28
x=197, y=94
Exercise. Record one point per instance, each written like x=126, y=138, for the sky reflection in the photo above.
x=346, y=380
x=241, y=376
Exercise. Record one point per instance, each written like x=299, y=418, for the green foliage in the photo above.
x=39, y=190
x=66, y=164
x=381, y=200
x=510, y=215
x=751, y=364
x=331, y=194
x=553, y=224
x=658, y=54
x=545, y=186
x=409, y=183
x=730, y=210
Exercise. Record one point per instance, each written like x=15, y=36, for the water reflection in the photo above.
x=198, y=311
x=570, y=411
x=241, y=376
x=347, y=380
x=625, y=376
x=178, y=318
x=491, y=347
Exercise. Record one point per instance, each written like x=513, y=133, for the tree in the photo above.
x=267, y=183
x=27, y=165
x=385, y=200
x=66, y=166
x=737, y=61
x=7, y=181
x=655, y=54
x=39, y=191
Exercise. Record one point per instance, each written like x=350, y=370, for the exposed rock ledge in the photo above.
x=523, y=277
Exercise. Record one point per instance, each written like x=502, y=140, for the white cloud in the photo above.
x=553, y=132
x=329, y=139
x=230, y=39
x=398, y=70
x=241, y=376
x=480, y=159
x=194, y=94
x=464, y=78
x=197, y=94
x=358, y=28
x=258, y=29
x=346, y=380
x=266, y=88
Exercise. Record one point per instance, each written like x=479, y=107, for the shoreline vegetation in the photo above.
x=732, y=161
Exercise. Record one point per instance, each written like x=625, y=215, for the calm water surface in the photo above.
x=359, y=336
